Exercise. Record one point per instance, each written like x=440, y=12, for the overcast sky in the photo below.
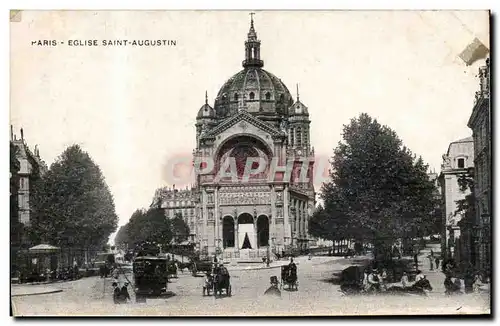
x=134, y=108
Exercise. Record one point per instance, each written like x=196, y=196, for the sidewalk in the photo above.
x=18, y=290
x=316, y=260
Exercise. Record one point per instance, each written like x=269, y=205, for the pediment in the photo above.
x=242, y=120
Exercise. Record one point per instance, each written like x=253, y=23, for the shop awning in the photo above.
x=43, y=248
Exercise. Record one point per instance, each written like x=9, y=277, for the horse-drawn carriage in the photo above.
x=218, y=283
x=201, y=265
x=150, y=276
x=289, y=277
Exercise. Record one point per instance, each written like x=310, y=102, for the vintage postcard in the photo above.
x=237, y=163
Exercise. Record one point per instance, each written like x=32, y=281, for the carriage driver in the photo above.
x=292, y=265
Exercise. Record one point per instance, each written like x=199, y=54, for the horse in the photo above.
x=222, y=282
x=183, y=266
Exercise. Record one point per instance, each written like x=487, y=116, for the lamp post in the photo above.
x=218, y=250
x=293, y=211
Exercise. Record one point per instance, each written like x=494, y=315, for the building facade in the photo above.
x=457, y=161
x=177, y=202
x=253, y=161
x=30, y=166
x=480, y=123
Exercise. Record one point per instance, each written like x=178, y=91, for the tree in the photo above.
x=121, y=238
x=149, y=226
x=466, y=206
x=379, y=191
x=180, y=229
x=74, y=206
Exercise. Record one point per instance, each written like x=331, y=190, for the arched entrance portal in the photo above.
x=246, y=232
x=263, y=231
x=228, y=232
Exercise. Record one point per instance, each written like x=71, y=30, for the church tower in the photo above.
x=298, y=135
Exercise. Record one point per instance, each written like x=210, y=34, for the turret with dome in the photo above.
x=253, y=117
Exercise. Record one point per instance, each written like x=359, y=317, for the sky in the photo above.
x=133, y=109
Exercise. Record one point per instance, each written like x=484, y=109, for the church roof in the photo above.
x=253, y=87
x=464, y=140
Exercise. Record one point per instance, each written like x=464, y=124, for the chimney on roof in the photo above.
x=11, y=132
x=22, y=134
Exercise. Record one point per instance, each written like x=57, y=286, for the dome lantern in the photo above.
x=252, y=48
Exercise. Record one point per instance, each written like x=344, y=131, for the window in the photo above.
x=252, y=95
x=268, y=96
x=236, y=96
x=299, y=136
x=461, y=163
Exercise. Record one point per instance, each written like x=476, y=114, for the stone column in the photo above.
x=236, y=240
x=297, y=218
x=255, y=232
x=286, y=215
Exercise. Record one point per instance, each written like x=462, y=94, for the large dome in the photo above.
x=255, y=89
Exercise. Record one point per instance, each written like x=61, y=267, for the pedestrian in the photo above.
x=116, y=293
x=431, y=262
x=404, y=280
x=373, y=281
x=437, y=262
x=419, y=276
x=415, y=259
x=365, y=280
x=124, y=295
x=273, y=289
x=384, y=278
x=477, y=284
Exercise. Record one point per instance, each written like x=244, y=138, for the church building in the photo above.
x=254, y=161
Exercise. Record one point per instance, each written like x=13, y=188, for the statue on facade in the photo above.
x=446, y=161
x=284, y=125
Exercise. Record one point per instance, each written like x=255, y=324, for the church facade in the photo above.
x=254, y=165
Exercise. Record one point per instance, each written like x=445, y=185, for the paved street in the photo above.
x=316, y=296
